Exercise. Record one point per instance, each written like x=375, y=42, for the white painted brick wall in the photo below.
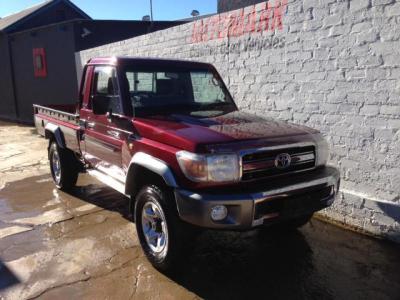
x=337, y=69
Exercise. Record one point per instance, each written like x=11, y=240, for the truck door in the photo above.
x=103, y=138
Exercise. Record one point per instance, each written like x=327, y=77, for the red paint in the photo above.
x=86, y=92
x=223, y=28
x=197, y=27
x=278, y=9
x=215, y=25
x=163, y=136
x=60, y=122
x=263, y=23
x=39, y=62
x=191, y=136
x=251, y=20
x=238, y=23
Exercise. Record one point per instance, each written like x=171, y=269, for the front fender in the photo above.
x=152, y=164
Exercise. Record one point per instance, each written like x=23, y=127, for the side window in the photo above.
x=105, y=90
x=206, y=87
x=144, y=82
x=140, y=81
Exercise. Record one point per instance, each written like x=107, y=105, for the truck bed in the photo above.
x=62, y=116
x=64, y=113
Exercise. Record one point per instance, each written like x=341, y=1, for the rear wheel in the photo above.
x=64, y=167
x=161, y=233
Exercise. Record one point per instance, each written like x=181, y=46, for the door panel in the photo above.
x=104, y=145
x=103, y=137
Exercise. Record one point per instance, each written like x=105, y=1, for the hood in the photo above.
x=198, y=134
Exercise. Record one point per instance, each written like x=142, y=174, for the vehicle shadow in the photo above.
x=104, y=197
x=7, y=277
x=272, y=264
x=392, y=211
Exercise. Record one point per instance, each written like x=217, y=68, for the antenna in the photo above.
x=151, y=10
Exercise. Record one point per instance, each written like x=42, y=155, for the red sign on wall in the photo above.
x=238, y=23
x=39, y=62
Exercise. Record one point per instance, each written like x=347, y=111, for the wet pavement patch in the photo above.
x=84, y=245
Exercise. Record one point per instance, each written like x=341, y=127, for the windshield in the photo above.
x=180, y=91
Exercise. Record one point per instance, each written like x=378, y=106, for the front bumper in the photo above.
x=285, y=199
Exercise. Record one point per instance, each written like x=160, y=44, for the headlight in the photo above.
x=322, y=150
x=209, y=167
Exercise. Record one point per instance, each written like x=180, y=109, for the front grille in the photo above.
x=262, y=164
x=305, y=202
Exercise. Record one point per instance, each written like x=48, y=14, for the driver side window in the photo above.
x=105, y=91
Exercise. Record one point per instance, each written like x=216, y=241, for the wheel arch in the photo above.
x=144, y=169
x=53, y=132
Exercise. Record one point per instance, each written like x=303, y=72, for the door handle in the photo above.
x=113, y=133
x=90, y=124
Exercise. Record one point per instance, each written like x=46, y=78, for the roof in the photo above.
x=13, y=19
x=145, y=61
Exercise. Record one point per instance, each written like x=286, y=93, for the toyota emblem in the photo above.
x=283, y=160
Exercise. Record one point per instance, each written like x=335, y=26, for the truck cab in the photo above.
x=168, y=135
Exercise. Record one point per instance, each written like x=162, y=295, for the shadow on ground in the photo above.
x=392, y=210
x=247, y=265
x=7, y=277
x=320, y=261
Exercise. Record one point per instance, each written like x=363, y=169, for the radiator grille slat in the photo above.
x=261, y=164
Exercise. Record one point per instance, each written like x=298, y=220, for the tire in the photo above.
x=162, y=235
x=64, y=167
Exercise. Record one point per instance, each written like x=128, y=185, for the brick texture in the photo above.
x=333, y=65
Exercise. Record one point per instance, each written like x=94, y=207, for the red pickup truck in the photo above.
x=167, y=134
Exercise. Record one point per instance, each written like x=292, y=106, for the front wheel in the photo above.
x=63, y=166
x=161, y=233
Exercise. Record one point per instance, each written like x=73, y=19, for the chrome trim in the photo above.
x=303, y=157
x=242, y=153
x=101, y=143
x=114, y=133
x=108, y=180
x=292, y=155
x=111, y=127
x=154, y=228
x=258, y=165
x=284, y=146
x=55, y=129
x=56, y=111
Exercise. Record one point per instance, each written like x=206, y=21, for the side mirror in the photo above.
x=100, y=104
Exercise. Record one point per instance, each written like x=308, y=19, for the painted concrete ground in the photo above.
x=55, y=245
